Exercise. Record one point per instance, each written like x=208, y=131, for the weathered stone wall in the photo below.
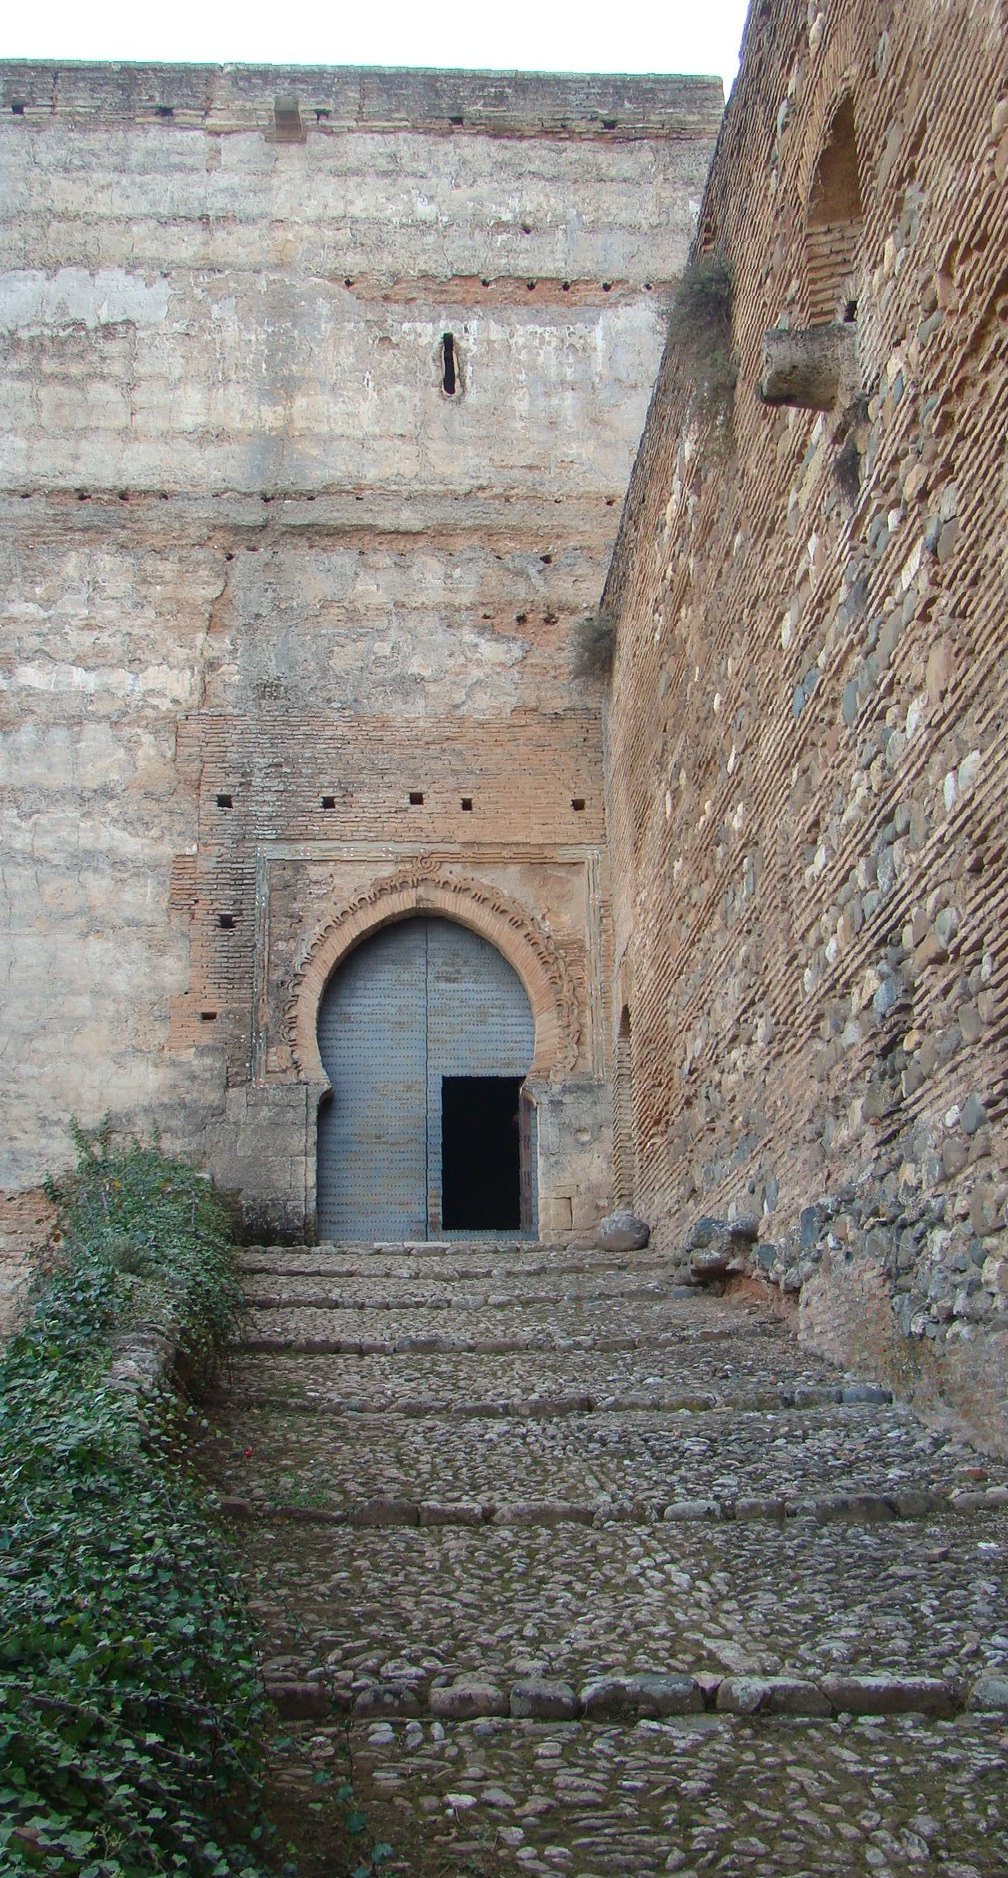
x=265, y=578
x=806, y=742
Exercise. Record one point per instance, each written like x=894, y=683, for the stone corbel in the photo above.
x=814, y=367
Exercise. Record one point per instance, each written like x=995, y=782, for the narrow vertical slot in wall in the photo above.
x=449, y=374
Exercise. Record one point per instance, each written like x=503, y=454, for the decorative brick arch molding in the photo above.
x=424, y=888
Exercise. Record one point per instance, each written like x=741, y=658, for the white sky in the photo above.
x=509, y=35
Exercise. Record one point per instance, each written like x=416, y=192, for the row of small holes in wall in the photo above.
x=321, y=114
x=416, y=801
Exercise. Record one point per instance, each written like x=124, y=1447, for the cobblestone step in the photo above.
x=549, y=1403
x=638, y=1695
x=662, y=1321
x=420, y=1333
x=849, y=1503
x=598, y=1576
x=705, y=1364
x=634, y=1459
x=696, y=1794
x=442, y=1253
x=580, y=1601
x=642, y=1317
x=457, y=1261
x=306, y=1294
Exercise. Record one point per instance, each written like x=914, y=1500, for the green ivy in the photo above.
x=132, y=1718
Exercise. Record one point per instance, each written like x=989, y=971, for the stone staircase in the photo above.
x=588, y=1573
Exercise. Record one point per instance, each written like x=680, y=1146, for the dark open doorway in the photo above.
x=480, y=1153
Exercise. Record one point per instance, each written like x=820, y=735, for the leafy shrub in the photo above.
x=700, y=327
x=131, y=1710
x=593, y=643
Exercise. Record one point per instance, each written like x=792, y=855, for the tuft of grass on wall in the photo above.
x=593, y=645
x=700, y=328
x=132, y=1718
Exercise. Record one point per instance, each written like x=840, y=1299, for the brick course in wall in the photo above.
x=806, y=738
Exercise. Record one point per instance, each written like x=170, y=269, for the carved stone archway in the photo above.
x=424, y=887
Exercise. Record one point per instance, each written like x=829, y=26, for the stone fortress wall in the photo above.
x=286, y=645
x=286, y=617
x=806, y=738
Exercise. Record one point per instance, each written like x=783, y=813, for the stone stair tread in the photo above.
x=322, y=1402
x=649, y=1313
x=732, y=1454
x=574, y=1601
x=437, y=1249
x=397, y=1690
x=454, y=1262
x=709, y=1365
x=686, y=1794
x=271, y=1291
x=319, y=1332
x=597, y=1574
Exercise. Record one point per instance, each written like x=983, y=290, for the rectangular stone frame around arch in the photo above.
x=264, y=1145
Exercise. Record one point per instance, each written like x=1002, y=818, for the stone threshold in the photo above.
x=854, y=1507
x=641, y=1696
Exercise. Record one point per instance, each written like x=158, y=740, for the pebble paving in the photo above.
x=594, y=1577
x=629, y=1459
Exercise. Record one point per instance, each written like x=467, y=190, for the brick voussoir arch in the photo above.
x=423, y=888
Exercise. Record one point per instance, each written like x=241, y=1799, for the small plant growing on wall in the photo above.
x=593, y=643
x=850, y=441
x=700, y=328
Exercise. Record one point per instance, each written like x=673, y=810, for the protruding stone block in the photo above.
x=814, y=367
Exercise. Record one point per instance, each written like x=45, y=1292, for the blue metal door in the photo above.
x=372, y=1152
x=421, y=1001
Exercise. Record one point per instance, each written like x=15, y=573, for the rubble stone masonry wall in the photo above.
x=807, y=736
x=271, y=569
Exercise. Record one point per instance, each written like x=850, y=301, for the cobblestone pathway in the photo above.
x=591, y=1576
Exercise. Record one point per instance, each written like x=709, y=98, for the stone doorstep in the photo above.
x=640, y=1696
x=393, y=1510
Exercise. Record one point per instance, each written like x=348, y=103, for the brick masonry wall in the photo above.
x=806, y=743
x=253, y=549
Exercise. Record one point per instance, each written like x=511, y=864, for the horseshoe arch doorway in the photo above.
x=426, y=1035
